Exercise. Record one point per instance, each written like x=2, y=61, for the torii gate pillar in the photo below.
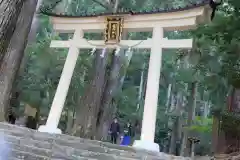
x=63, y=86
x=151, y=98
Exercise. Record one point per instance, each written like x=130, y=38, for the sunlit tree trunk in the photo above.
x=15, y=51
x=168, y=101
x=141, y=87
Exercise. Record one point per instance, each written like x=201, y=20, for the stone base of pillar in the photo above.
x=221, y=156
x=48, y=129
x=151, y=146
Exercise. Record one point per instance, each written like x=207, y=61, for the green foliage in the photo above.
x=230, y=121
x=202, y=125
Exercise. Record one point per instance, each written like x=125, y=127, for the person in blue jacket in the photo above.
x=128, y=133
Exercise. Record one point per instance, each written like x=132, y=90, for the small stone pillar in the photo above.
x=193, y=141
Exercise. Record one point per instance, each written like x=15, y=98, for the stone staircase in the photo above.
x=26, y=144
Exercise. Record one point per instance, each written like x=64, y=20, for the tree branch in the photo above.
x=115, y=9
x=104, y=5
x=43, y=9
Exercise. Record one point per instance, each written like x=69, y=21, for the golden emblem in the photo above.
x=113, y=30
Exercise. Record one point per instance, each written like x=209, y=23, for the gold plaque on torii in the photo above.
x=113, y=30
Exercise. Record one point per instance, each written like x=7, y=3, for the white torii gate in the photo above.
x=156, y=23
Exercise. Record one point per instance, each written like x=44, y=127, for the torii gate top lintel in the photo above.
x=114, y=24
x=176, y=19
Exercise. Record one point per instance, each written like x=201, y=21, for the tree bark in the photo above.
x=10, y=10
x=172, y=148
x=215, y=134
x=88, y=113
x=35, y=24
x=185, y=150
x=115, y=81
x=141, y=87
x=70, y=121
x=110, y=90
x=89, y=103
x=177, y=126
x=169, y=95
x=15, y=52
x=31, y=39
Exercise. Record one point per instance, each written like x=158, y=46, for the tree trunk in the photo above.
x=109, y=92
x=115, y=81
x=15, y=51
x=141, y=109
x=215, y=134
x=172, y=148
x=168, y=101
x=70, y=120
x=10, y=10
x=89, y=111
x=141, y=87
x=31, y=39
x=89, y=103
x=179, y=135
x=177, y=126
x=185, y=150
x=35, y=24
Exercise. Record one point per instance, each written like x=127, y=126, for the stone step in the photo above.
x=21, y=155
x=80, y=158
x=74, y=141
x=60, y=151
x=81, y=145
x=16, y=154
x=65, y=147
x=43, y=148
x=64, y=152
x=103, y=148
x=28, y=134
x=11, y=158
x=65, y=155
x=29, y=141
x=31, y=149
